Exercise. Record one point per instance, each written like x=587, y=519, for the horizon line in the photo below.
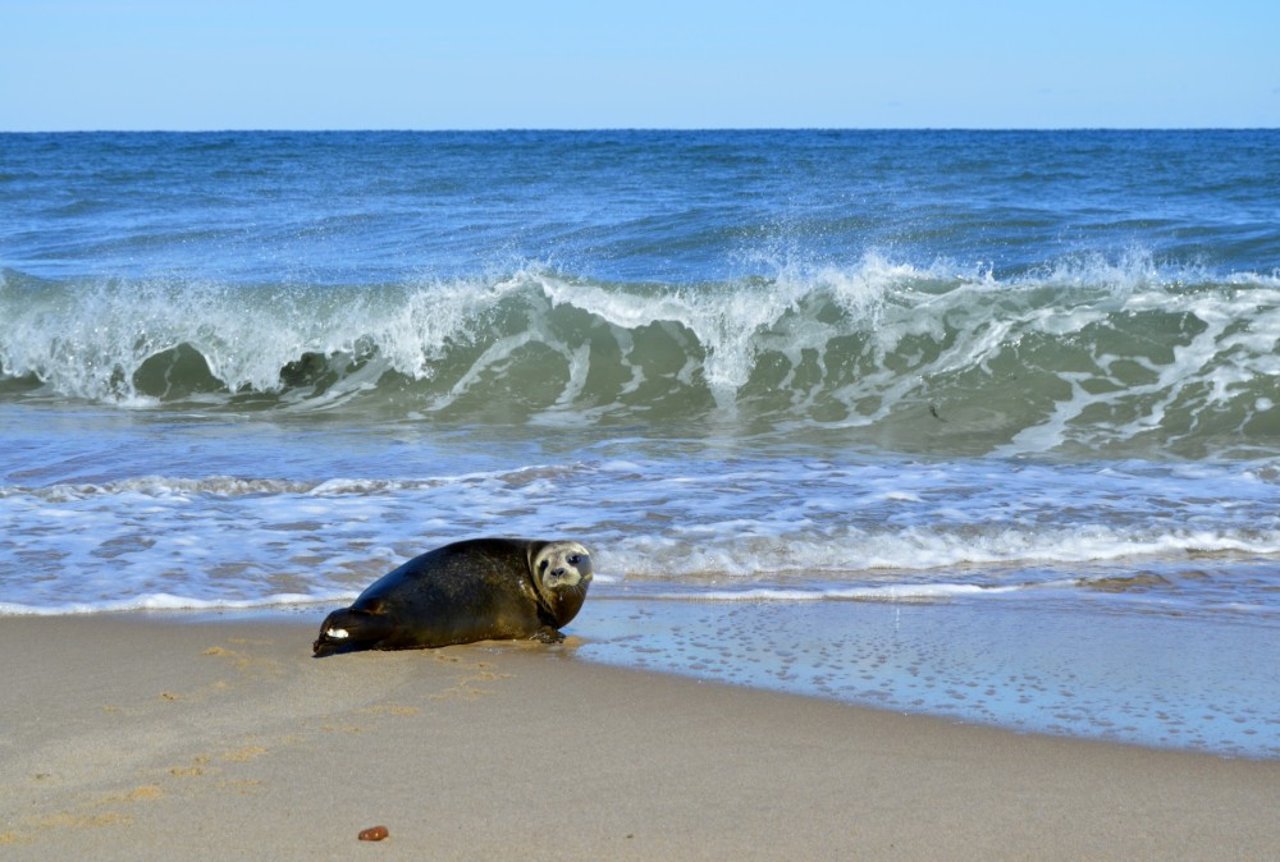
x=590, y=129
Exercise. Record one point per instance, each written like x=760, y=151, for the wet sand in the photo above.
x=136, y=737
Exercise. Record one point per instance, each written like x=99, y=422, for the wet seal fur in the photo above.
x=474, y=590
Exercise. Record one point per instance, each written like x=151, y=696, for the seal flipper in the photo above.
x=350, y=629
x=547, y=635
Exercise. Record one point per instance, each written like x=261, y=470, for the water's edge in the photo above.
x=1132, y=680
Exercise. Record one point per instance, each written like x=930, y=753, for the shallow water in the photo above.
x=1146, y=679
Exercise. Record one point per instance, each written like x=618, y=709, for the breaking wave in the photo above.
x=1084, y=355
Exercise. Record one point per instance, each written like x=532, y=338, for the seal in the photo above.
x=474, y=590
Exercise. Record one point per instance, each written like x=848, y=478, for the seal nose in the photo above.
x=558, y=571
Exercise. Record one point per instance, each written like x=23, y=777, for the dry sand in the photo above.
x=128, y=737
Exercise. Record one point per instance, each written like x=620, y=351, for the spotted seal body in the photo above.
x=480, y=589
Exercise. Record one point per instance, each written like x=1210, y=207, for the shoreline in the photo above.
x=1162, y=681
x=138, y=737
x=1142, y=680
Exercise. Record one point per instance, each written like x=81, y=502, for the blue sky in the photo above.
x=417, y=64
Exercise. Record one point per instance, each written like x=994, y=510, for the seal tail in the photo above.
x=350, y=629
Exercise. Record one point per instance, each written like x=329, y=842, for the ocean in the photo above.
x=978, y=424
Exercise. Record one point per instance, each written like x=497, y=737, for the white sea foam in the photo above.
x=837, y=530
x=905, y=592
x=168, y=602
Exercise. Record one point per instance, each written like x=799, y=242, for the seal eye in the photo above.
x=574, y=559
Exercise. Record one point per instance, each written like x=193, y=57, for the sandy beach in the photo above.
x=136, y=737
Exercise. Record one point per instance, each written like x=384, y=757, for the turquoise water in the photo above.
x=952, y=375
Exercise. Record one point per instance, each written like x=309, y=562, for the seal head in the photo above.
x=561, y=572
